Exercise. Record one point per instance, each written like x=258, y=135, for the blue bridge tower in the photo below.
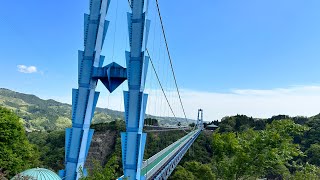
x=133, y=140
x=84, y=99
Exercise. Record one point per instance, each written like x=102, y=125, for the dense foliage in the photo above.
x=256, y=154
x=151, y=122
x=193, y=171
x=156, y=141
x=16, y=153
x=51, y=148
x=246, y=148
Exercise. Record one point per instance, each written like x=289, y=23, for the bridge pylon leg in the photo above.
x=84, y=99
x=135, y=100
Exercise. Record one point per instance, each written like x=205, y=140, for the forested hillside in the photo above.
x=39, y=114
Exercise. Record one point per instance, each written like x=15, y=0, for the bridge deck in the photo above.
x=154, y=163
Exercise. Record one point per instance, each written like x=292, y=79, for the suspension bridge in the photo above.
x=85, y=97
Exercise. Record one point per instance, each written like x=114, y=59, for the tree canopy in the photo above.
x=256, y=154
x=240, y=150
x=16, y=153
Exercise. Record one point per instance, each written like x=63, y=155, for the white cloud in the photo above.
x=260, y=103
x=27, y=69
x=293, y=101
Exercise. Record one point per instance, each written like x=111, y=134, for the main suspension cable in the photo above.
x=167, y=47
x=155, y=72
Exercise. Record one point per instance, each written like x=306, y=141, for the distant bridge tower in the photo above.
x=200, y=119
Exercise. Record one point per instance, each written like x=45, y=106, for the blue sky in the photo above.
x=219, y=48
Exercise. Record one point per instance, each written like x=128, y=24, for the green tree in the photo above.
x=236, y=123
x=313, y=134
x=308, y=171
x=313, y=154
x=182, y=174
x=151, y=121
x=192, y=125
x=51, y=148
x=16, y=153
x=254, y=154
x=107, y=172
x=199, y=171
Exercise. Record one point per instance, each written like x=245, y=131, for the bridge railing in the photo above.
x=164, y=172
x=153, y=164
